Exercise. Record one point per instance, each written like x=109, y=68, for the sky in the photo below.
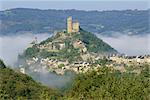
x=75, y=4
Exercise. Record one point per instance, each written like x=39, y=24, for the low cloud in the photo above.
x=11, y=46
x=51, y=79
x=130, y=45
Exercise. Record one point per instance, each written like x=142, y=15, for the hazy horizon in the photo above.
x=74, y=9
x=78, y=5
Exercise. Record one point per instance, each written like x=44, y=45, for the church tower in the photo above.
x=69, y=24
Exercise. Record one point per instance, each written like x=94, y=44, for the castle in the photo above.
x=72, y=27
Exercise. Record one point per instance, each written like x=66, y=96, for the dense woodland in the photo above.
x=18, y=86
x=103, y=84
x=20, y=20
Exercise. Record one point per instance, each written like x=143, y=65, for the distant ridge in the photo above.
x=21, y=20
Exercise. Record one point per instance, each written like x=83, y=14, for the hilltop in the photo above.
x=66, y=49
x=108, y=23
x=77, y=46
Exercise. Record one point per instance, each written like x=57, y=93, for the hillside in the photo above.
x=106, y=85
x=22, y=20
x=78, y=46
x=18, y=86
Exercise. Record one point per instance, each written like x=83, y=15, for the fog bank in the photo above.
x=11, y=46
x=130, y=45
x=51, y=79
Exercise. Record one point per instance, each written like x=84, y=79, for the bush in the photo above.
x=2, y=65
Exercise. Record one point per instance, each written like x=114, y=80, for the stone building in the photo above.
x=79, y=44
x=72, y=27
x=76, y=26
x=22, y=70
x=69, y=24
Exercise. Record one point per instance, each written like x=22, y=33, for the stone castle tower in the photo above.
x=72, y=27
x=69, y=24
x=76, y=26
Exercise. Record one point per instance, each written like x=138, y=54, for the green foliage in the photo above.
x=46, y=41
x=146, y=71
x=17, y=86
x=45, y=54
x=104, y=85
x=31, y=51
x=61, y=65
x=67, y=53
x=2, y=65
x=102, y=62
x=93, y=43
x=71, y=54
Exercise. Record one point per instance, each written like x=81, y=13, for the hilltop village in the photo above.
x=116, y=62
x=83, y=60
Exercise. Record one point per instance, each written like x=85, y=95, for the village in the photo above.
x=118, y=62
x=90, y=61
